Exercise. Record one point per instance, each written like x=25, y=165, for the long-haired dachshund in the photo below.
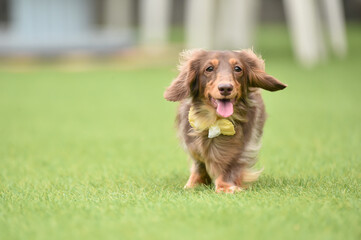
x=221, y=114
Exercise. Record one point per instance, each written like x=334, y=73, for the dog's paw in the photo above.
x=228, y=189
x=189, y=186
x=186, y=187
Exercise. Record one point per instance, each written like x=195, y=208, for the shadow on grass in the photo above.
x=268, y=182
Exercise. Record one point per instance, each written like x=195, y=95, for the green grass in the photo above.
x=93, y=155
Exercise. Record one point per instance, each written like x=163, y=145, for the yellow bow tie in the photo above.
x=215, y=128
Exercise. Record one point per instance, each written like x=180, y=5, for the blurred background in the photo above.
x=56, y=28
x=88, y=148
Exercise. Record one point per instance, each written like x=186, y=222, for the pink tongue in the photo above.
x=224, y=108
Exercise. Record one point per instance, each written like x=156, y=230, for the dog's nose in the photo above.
x=225, y=88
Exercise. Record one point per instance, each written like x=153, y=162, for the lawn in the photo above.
x=93, y=154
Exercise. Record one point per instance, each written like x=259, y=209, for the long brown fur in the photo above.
x=227, y=160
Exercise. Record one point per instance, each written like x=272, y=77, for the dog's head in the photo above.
x=220, y=78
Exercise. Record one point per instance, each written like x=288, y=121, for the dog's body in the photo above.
x=223, y=86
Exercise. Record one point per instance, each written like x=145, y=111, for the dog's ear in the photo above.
x=185, y=84
x=256, y=75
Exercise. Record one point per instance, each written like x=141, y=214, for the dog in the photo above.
x=221, y=115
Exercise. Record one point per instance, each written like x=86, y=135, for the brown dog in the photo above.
x=221, y=115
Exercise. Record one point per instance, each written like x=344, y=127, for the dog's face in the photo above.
x=220, y=78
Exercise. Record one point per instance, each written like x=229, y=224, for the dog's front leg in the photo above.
x=198, y=175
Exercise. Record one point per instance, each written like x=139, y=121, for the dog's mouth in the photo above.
x=224, y=107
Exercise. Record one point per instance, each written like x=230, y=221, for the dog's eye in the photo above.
x=237, y=69
x=210, y=69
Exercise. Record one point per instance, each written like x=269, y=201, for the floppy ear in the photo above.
x=259, y=78
x=256, y=76
x=186, y=82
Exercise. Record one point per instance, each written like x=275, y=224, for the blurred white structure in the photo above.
x=235, y=23
x=199, y=23
x=230, y=24
x=304, y=19
x=154, y=21
x=335, y=20
x=306, y=31
x=220, y=24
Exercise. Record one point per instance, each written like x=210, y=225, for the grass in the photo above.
x=93, y=155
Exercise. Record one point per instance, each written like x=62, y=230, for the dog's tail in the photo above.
x=251, y=175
